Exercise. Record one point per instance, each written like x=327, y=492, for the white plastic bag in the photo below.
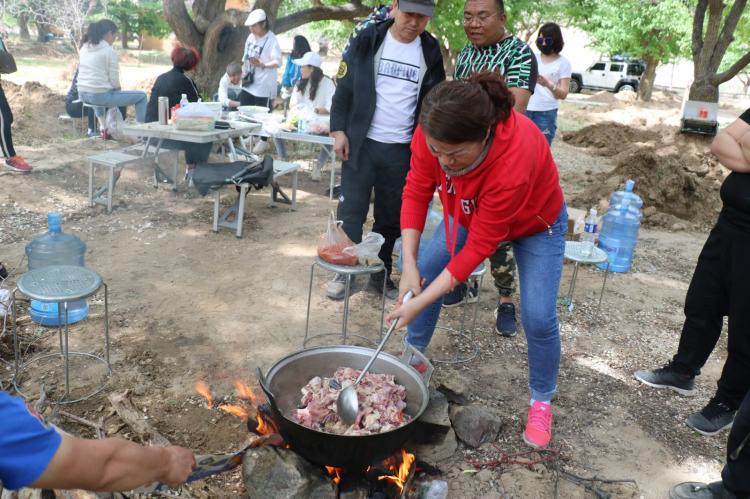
x=194, y=116
x=367, y=251
x=113, y=123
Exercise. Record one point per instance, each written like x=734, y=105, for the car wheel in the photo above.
x=574, y=86
x=625, y=87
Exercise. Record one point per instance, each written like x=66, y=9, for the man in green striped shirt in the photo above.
x=491, y=48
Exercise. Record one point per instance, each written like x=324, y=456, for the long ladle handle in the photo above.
x=409, y=294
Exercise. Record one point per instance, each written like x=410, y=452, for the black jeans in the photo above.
x=720, y=287
x=248, y=99
x=382, y=167
x=736, y=472
x=194, y=153
x=6, y=118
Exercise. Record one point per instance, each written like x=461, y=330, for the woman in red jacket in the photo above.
x=495, y=177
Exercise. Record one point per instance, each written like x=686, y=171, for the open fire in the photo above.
x=389, y=477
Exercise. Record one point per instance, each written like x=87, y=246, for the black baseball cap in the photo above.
x=424, y=7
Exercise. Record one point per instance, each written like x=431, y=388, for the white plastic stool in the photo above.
x=574, y=253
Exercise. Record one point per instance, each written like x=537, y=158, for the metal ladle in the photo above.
x=347, y=404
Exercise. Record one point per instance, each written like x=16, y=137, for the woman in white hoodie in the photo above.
x=99, y=73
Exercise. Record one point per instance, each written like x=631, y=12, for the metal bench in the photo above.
x=111, y=160
x=280, y=168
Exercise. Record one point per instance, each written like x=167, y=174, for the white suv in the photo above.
x=615, y=76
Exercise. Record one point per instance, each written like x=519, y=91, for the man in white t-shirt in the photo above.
x=230, y=88
x=387, y=70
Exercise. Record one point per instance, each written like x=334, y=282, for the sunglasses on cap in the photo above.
x=544, y=40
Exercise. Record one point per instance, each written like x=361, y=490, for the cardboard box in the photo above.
x=576, y=219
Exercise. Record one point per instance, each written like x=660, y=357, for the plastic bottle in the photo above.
x=56, y=248
x=183, y=101
x=588, y=238
x=620, y=226
x=635, y=200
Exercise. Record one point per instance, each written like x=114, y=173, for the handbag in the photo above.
x=7, y=62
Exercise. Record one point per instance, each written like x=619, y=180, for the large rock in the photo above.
x=282, y=474
x=456, y=388
x=475, y=425
x=442, y=447
x=436, y=413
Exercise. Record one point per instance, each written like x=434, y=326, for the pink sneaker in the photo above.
x=538, y=431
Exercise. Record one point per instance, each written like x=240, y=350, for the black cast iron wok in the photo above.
x=286, y=377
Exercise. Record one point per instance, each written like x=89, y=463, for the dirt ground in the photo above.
x=187, y=304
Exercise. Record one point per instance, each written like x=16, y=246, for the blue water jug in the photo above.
x=619, y=235
x=431, y=223
x=635, y=200
x=56, y=248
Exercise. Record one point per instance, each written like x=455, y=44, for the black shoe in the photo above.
x=376, y=283
x=713, y=418
x=460, y=294
x=505, y=320
x=668, y=377
x=696, y=490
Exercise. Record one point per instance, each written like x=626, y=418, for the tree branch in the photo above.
x=732, y=71
x=700, y=16
x=179, y=20
x=715, y=10
x=346, y=11
x=727, y=33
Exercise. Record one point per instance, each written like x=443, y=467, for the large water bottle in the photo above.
x=635, y=200
x=56, y=248
x=619, y=235
x=431, y=223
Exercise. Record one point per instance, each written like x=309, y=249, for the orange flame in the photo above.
x=335, y=473
x=235, y=410
x=204, y=390
x=402, y=473
x=245, y=392
x=263, y=427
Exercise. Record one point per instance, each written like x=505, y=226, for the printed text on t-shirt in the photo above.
x=398, y=70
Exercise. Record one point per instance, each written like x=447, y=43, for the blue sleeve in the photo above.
x=286, y=80
x=26, y=445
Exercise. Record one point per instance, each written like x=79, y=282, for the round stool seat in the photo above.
x=59, y=283
x=349, y=269
x=574, y=252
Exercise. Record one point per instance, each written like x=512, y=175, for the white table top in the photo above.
x=296, y=136
x=574, y=251
x=155, y=130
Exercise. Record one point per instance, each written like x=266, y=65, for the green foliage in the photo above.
x=649, y=29
x=739, y=46
x=143, y=17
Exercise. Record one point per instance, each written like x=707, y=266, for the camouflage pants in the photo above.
x=503, y=269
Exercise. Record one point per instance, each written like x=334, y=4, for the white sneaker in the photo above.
x=315, y=174
x=261, y=147
x=337, y=287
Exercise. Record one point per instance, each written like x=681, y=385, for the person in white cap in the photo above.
x=260, y=64
x=312, y=95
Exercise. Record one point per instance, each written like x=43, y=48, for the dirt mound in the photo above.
x=608, y=138
x=603, y=96
x=35, y=108
x=674, y=173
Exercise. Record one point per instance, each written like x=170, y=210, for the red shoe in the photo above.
x=17, y=164
x=538, y=431
x=105, y=134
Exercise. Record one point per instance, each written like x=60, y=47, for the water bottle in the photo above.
x=432, y=222
x=588, y=238
x=619, y=235
x=183, y=101
x=56, y=248
x=635, y=200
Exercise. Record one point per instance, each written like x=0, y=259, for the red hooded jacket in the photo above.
x=513, y=193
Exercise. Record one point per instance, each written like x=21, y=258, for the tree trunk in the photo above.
x=125, y=39
x=646, y=86
x=710, y=47
x=449, y=59
x=42, y=30
x=23, y=27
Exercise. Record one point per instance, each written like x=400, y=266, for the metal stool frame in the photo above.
x=62, y=332
x=349, y=271
x=466, y=334
x=573, y=252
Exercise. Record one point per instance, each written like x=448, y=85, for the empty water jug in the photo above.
x=56, y=248
x=619, y=235
x=635, y=200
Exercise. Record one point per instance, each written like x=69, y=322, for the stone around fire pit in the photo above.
x=433, y=452
x=282, y=474
x=474, y=425
x=456, y=388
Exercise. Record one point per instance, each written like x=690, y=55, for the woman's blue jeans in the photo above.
x=117, y=98
x=546, y=121
x=540, y=261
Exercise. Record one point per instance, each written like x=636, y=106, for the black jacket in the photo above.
x=354, y=101
x=171, y=84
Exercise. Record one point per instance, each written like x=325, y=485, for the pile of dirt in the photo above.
x=675, y=174
x=608, y=138
x=35, y=109
x=603, y=96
